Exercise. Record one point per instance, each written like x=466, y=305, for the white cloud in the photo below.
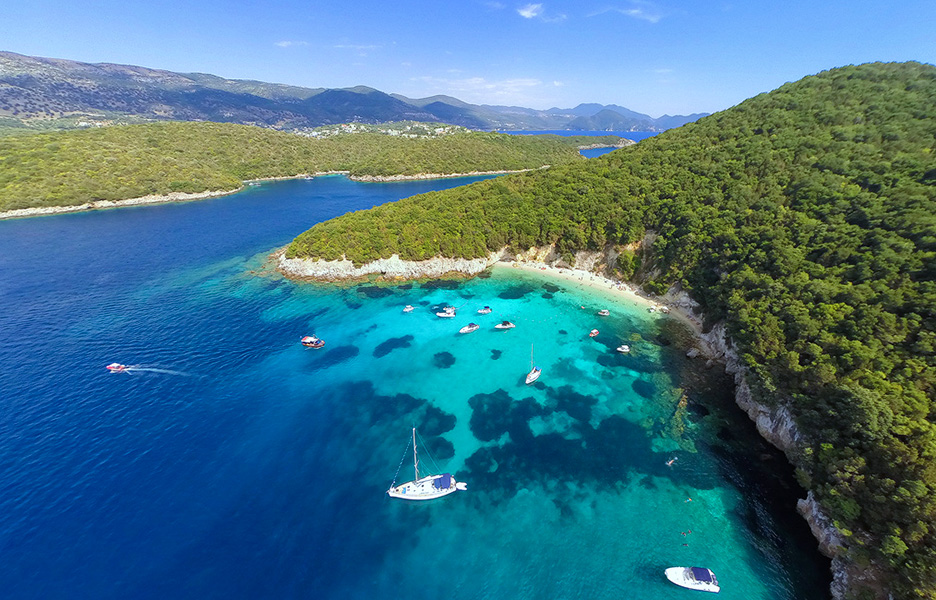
x=638, y=9
x=287, y=44
x=530, y=11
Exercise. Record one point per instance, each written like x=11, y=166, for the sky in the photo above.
x=652, y=56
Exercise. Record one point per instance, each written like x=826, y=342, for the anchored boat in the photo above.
x=469, y=328
x=428, y=487
x=535, y=371
x=694, y=578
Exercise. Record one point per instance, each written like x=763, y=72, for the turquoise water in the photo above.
x=235, y=463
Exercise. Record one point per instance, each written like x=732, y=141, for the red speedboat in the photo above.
x=116, y=368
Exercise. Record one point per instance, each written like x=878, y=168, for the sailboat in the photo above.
x=535, y=371
x=428, y=487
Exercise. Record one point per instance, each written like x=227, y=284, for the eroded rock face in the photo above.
x=392, y=268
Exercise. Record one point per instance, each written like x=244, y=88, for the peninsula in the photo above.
x=800, y=226
x=134, y=164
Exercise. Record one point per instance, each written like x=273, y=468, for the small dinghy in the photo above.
x=447, y=312
x=116, y=368
x=604, y=312
x=593, y=333
x=504, y=325
x=484, y=311
x=408, y=308
x=623, y=348
x=469, y=328
x=310, y=341
x=694, y=578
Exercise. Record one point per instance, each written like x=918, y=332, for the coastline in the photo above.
x=18, y=213
x=103, y=204
x=618, y=290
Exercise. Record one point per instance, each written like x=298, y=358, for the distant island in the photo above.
x=102, y=167
x=801, y=226
x=39, y=94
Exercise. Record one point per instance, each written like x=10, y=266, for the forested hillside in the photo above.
x=804, y=218
x=116, y=163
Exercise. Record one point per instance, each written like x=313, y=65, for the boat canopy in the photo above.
x=702, y=574
x=443, y=482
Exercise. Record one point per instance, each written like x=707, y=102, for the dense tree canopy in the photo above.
x=116, y=163
x=805, y=218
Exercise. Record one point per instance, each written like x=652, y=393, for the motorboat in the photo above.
x=310, y=341
x=447, y=312
x=469, y=328
x=409, y=308
x=485, y=311
x=116, y=368
x=623, y=348
x=428, y=487
x=593, y=333
x=504, y=325
x=604, y=312
x=694, y=578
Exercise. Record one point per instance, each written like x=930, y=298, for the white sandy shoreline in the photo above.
x=617, y=290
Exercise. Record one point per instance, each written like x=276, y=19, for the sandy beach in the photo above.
x=617, y=290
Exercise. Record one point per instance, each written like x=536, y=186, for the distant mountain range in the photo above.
x=58, y=93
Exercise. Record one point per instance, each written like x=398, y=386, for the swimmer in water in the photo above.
x=670, y=462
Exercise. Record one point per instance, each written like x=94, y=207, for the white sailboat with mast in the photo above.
x=428, y=487
x=535, y=371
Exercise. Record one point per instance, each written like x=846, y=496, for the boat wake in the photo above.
x=145, y=369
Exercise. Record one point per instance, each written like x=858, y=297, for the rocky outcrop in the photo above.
x=776, y=425
x=390, y=268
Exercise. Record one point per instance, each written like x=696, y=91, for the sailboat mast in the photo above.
x=415, y=458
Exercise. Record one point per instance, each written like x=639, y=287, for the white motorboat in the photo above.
x=504, y=325
x=116, y=368
x=593, y=333
x=447, y=312
x=409, y=308
x=694, y=578
x=428, y=487
x=604, y=312
x=623, y=348
x=484, y=311
x=535, y=371
x=469, y=328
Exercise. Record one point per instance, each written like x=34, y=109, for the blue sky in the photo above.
x=652, y=56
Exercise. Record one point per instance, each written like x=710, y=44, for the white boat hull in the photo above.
x=533, y=375
x=425, y=489
x=682, y=576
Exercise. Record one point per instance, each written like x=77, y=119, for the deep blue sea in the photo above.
x=233, y=463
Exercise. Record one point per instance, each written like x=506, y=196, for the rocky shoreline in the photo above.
x=775, y=424
x=184, y=197
x=102, y=204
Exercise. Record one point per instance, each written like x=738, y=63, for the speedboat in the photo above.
x=593, y=333
x=469, y=328
x=504, y=325
x=533, y=375
x=694, y=578
x=623, y=348
x=408, y=308
x=604, y=312
x=484, y=311
x=448, y=312
x=310, y=341
x=116, y=368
